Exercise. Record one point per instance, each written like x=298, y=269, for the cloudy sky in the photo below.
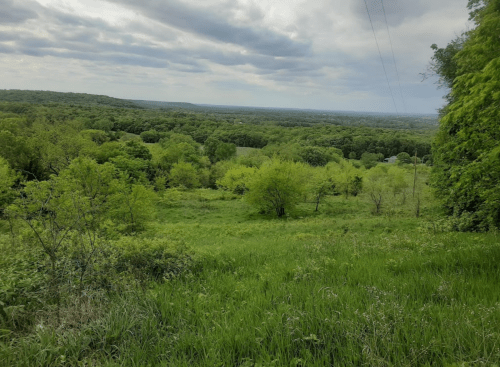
x=318, y=54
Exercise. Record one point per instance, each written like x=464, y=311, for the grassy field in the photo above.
x=338, y=287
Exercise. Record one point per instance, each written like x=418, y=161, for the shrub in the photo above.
x=236, y=178
x=277, y=186
x=152, y=259
x=183, y=174
x=404, y=157
x=150, y=136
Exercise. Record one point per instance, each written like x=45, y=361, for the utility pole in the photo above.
x=415, y=174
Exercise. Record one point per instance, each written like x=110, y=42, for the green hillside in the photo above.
x=45, y=97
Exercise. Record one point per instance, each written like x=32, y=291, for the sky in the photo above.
x=314, y=54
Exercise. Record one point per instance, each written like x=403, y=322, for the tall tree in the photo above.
x=467, y=146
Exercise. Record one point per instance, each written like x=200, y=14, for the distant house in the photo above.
x=391, y=159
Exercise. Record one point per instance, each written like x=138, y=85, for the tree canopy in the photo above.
x=467, y=146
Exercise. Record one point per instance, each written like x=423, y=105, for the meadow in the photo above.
x=154, y=237
x=340, y=287
x=139, y=233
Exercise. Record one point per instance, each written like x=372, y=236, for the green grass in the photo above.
x=340, y=287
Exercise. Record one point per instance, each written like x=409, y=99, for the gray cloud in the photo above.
x=262, y=62
x=10, y=13
x=397, y=11
x=98, y=51
x=212, y=26
x=181, y=39
x=77, y=21
x=8, y=36
x=5, y=49
x=114, y=58
x=81, y=38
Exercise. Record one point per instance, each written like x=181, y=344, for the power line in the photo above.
x=393, y=57
x=381, y=59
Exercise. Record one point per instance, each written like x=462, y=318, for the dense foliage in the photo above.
x=467, y=147
x=167, y=237
x=244, y=127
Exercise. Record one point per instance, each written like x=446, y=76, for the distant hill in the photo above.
x=285, y=117
x=158, y=104
x=292, y=117
x=44, y=97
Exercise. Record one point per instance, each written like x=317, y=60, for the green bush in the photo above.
x=277, y=186
x=150, y=136
x=23, y=285
x=236, y=178
x=152, y=259
x=404, y=157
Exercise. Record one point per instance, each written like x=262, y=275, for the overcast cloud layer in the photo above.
x=317, y=54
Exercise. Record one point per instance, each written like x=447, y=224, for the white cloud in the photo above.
x=292, y=53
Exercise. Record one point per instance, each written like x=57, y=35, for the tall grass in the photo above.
x=338, y=288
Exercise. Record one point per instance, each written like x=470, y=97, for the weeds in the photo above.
x=310, y=291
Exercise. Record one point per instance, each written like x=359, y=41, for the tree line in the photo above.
x=467, y=145
x=152, y=124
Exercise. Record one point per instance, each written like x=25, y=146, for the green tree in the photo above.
x=7, y=180
x=95, y=184
x=150, y=136
x=320, y=183
x=236, y=178
x=288, y=151
x=174, y=138
x=357, y=184
x=421, y=193
x=184, y=174
x=46, y=208
x=64, y=215
x=255, y=158
x=346, y=177
x=375, y=186
x=467, y=146
x=277, y=186
x=404, y=158
x=315, y=156
x=22, y=155
x=397, y=182
x=370, y=160
x=134, y=168
x=108, y=150
x=137, y=149
x=217, y=150
x=443, y=63
x=58, y=145
x=180, y=152
x=133, y=206
x=225, y=151
x=217, y=172
x=103, y=124
x=97, y=136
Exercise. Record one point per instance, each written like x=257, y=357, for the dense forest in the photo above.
x=139, y=233
x=297, y=117
x=353, y=135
